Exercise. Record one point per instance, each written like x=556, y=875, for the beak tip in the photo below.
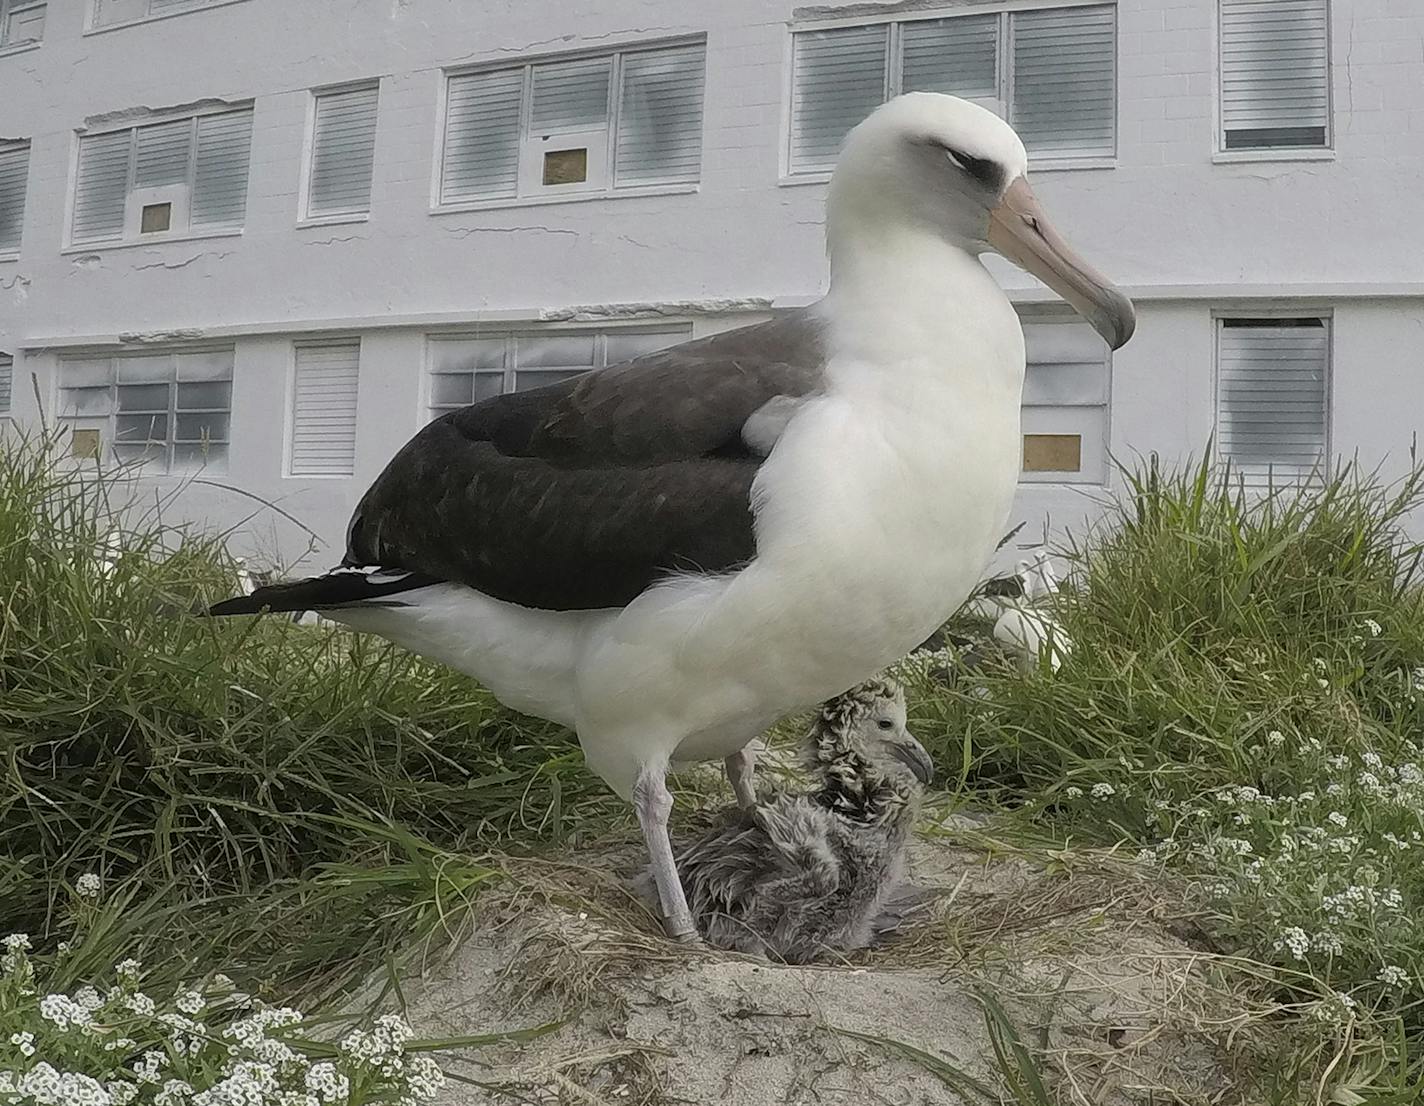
x=1117, y=320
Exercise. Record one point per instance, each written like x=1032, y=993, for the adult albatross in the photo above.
x=671, y=554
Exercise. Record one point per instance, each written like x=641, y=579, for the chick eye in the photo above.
x=886, y=724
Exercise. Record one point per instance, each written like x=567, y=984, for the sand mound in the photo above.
x=1108, y=1003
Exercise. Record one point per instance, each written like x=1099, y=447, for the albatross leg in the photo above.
x=739, y=774
x=653, y=802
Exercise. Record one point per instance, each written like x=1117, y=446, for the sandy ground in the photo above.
x=1111, y=1005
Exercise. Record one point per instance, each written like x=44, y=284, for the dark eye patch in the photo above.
x=984, y=170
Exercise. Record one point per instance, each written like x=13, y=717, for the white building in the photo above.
x=258, y=243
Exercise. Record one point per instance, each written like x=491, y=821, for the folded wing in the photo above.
x=582, y=494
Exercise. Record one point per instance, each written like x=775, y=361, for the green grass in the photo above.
x=296, y=805
x=1243, y=706
x=297, y=800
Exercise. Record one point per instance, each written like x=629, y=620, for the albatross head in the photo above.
x=942, y=166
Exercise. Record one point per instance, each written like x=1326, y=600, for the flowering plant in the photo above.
x=203, y=1045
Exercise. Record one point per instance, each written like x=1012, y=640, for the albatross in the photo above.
x=670, y=554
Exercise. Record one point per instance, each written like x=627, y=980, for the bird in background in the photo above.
x=671, y=554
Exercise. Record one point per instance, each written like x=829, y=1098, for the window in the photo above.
x=325, y=378
x=21, y=21
x=1275, y=74
x=343, y=152
x=594, y=124
x=14, y=177
x=1051, y=72
x=196, y=168
x=109, y=12
x=1065, y=413
x=167, y=412
x=1272, y=397
x=7, y=382
x=465, y=369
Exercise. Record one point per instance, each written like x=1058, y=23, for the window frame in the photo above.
x=109, y=441
x=9, y=8
x=1003, y=10
x=1274, y=313
x=1052, y=315
x=187, y=233
x=1323, y=152
x=510, y=334
x=7, y=371
x=92, y=26
x=615, y=54
x=305, y=218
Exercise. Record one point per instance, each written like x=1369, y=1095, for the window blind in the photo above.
x=1063, y=100
x=14, y=178
x=221, y=169
x=324, y=389
x=1275, y=73
x=839, y=77
x=955, y=56
x=101, y=186
x=1272, y=396
x=660, y=116
x=482, y=135
x=343, y=152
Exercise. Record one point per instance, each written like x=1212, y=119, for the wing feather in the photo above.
x=582, y=494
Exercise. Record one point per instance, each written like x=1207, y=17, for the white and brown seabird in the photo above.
x=671, y=554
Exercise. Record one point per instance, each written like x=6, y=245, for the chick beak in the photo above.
x=913, y=755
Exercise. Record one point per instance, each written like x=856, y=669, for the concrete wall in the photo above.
x=1187, y=231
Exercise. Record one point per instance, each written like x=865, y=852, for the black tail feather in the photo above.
x=343, y=587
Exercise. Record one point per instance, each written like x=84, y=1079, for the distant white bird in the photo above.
x=673, y=553
x=111, y=548
x=1026, y=630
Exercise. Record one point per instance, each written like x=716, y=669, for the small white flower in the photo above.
x=1373, y=627
x=25, y=1041
x=1295, y=940
x=17, y=942
x=190, y=1002
x=1320, y=665
x=1391, y=975
x=128, y=969
x=1328, y=943
x=88, y=885
x=1275, y=739
x=1073, y=792
x=1321, y=682
x=1336, y=818
x=175, y=1092
x=1103, y=790
x=1372, y=760
x=89, y=998
x=140, y=1004
x=64, y=1012
x=1395, y=840
x=327, y=1083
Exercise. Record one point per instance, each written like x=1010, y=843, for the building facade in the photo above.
x=248, y=247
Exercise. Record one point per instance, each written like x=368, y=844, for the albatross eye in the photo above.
x=886, y=724
x=984, y=170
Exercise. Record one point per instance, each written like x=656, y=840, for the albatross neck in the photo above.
x=905, y=292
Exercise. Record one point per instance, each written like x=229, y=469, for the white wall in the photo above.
x=1185, y=232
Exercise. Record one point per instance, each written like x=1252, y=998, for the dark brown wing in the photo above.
x=582, y=494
